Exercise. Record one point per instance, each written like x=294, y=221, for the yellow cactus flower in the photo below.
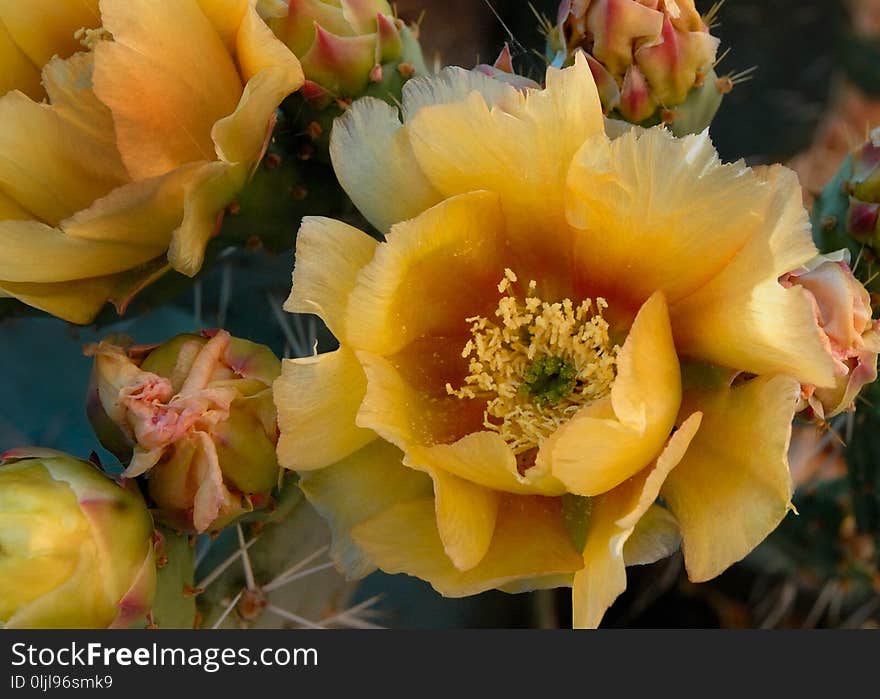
x=157, y=112
x=560, y=331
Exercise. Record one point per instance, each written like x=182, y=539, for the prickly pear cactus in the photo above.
x=348, y=49
x=653, y=62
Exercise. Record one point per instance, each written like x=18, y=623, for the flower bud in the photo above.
x=843, y=311
x=648, y=57
x=196, y=416
x=76, y=549
x=346, y=45
x=504, y=71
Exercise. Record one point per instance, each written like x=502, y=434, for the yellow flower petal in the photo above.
x=76, y=302
x=655, y=537
x=357, y=489
x=11, y=209
x=520, y=151
x=407, y=413
x=167, y=77
x=743, y=318
x=272, y=73
x=45, y=28
x=212, y=187
x=733, y=486
x=530, y=543
x=329, y=256
x=374, y=162
x=466, y=515
x=450, y=258
x=146, y=211
x=613, y=519
x=317, y=399
x=47, y=164
x=17, y=71
x=647, y=205
x=34, y=252
x=226, y=16
x=486, y=459
x=454, y=84
x=604, y=445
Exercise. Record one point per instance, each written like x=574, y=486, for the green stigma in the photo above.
x=548, y=380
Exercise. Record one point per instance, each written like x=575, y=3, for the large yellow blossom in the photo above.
x=561, y=331
x=128, y=126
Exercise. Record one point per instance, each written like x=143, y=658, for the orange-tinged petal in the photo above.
x=486, y=459
x=17, y=71
x=733, y=486
x=46, y=28
x=613, y=519
x=49, y=165
x=317, y=399
x=358, y=488
x=374, y=162
x=520, y=151
x=444, y=259
x=167, y=77
x=530, y=544
x=329, y=256
x=11, y=209
x=647, y=205
x=743, y=318
x=272, y=73
x=466, y=515
x=605, y=444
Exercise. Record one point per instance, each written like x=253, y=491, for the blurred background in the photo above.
x=800, y=577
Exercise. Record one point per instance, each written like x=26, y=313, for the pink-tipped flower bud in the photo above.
x=76, y=548
x=650, y=58
x=843, y=312
x=195, y=417
x=345, y=46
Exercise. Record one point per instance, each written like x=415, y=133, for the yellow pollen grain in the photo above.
x=502, y=351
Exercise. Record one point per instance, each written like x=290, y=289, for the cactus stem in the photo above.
x=220, y=569
x=298, y=566
x=298, y=576
x=227, y=609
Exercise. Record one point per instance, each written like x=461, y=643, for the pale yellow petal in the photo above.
x=11, y=209
x=454, y=84
x=47, y=164
x=743, y=318
x=605, y=444
x=530, y=543
x=613, y=519
x=733, y=486
x=271, y=73
x=329, y=256
x=655, y=212
x=466, y=515
x=449, y=258
x=167, y=77
x=375, y=165
x=358, y=488
x=485, y=458
x=45, y=28
x=317, y=399
x=655, y=537
x=521, y=151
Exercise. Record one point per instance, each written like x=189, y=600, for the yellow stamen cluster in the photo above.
x=538, y=365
